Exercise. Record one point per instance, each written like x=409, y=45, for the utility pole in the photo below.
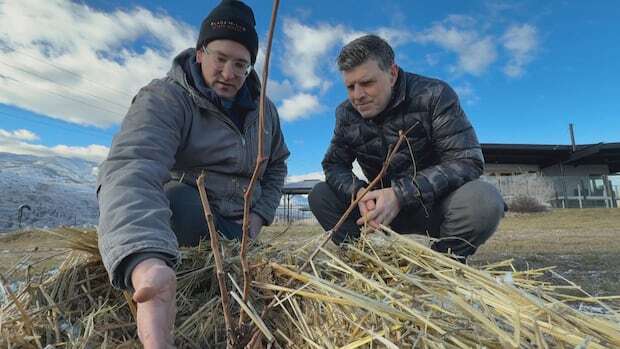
x=571, y=130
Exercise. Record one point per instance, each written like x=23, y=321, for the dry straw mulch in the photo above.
x=386, y=291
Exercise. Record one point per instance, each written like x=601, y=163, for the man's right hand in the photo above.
x=155, y=287
x=364, y=205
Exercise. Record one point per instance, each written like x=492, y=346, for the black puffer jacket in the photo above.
x=444, y=144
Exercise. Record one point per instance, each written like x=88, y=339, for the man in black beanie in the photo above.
x=201, y=116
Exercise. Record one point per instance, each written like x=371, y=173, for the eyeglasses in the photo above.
x=239, y=67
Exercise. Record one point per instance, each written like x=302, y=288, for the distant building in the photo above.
x=579, y=177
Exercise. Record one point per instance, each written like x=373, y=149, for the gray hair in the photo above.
x=363, y=48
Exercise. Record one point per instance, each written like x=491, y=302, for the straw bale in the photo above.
x=386, y=291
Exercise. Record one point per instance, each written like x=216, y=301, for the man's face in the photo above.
x=222, y=65
x=369, y=88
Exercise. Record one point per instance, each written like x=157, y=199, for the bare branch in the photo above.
x=247, y=280
x=217, y=255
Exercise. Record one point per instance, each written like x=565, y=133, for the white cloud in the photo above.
x=299, y=106
x=260, y=58
x=521, y=41
x=431, y=60
x=306, y=47
x=279, y=90
x=461, y=21
x=17, y=142
x=466, y=93
x=395, y=36
x=26, y=135
x=475, y=52
x=21, y=134
x=83, y=65
x=276, y=90
x=93, y=152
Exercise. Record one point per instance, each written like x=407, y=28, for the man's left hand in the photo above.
x=256, y=224
x=386, y=208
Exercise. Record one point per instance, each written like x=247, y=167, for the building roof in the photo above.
x=543, y=155
x=303, y=187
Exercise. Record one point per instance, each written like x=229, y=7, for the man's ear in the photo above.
x=393, y=74
x=200, y=56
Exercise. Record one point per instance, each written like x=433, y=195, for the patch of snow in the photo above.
x=505, y=279
x=59, y=191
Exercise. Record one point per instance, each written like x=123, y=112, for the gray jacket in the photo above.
x=172, y=129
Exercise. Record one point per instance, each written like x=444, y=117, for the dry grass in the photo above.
x=29, y=253
x=583, y=220
x=386, y=293
x=582, y=244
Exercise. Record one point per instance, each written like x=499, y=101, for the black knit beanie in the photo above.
x=230, y=20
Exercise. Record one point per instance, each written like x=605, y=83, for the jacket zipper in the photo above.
x=218, y=113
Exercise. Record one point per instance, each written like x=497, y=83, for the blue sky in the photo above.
x=524, y=70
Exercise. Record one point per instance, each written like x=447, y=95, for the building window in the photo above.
x=597, y=185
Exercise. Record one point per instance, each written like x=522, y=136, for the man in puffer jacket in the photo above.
x=431, y=185
x=202, y=115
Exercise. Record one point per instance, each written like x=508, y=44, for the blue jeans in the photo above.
x=188, y=219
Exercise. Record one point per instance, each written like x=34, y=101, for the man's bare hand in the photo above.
x=381, y=206
x=365, y=205
x=155, y=284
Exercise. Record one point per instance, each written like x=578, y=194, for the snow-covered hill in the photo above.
x=59, y=191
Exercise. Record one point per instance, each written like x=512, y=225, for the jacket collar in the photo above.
x=399, y=91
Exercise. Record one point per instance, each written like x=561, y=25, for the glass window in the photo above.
x=597, y=185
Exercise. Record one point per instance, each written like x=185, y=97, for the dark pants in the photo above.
x=188, y=219
x=462, y=221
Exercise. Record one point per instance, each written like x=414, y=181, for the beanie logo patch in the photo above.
x=227, y=25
